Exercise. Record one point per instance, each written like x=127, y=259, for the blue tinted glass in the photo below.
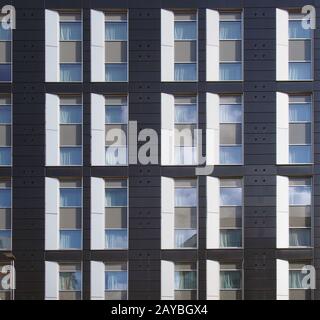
x=116, y=114
x=70, y=72
x=5, y=198
x=185, y=238
x=5, y=34
x=116, y=280
x=116, y=197
x=5, y=239
x=230, y=71
x=117, y=239
x=70, y=281
x=297, y=280
x=116, y=31
x=116, y=72
x=300, y=195
x=70, y=114
x=230, y=113
x=70, y=31
x=185, y=113
x=230, y=155
x=299, y=154
x=70, y=197
x=70, y=239
x=300, y=237
x=70, y=156
x=116, y=156
x=185, y=197
x=300, y=112
x=184, y=280
x=299, y=71
x=230, y=280
x=185, y=72
x=230, y=196
x=185, y=30
x=5, y=114
x=5, y=156
x=296, y=31
x=230, y=30
x=5, y=72
x=230, y=238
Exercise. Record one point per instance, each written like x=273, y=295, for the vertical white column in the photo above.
x=282, y=128
x=167, y=280
x=282, y=280
x=282, y=22
x=167, y=45
x=97, y=280
x=213, y=216
x=282, y=212
x=213, y=280
x=51, y=280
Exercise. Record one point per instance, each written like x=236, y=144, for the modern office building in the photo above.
x=81, y=218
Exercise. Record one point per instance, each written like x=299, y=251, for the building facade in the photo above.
x=81, y=218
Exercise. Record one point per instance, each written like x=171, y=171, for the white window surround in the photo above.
x=282, y=212
x=282, y=44
x=167, y=45
x=97, y=280
x=212, y=45
x=282, y=279
x=213, y=280
x=282, y=115
x=167, y=280
x=167, y=213
x=51, y=280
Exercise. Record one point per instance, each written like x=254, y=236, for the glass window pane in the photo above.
x=70, y=281
x=185, y=238
x=299, y=71
x=296, y=279
x=230, y=238
x=116, y=197
x=185, y=280
x=231, y=155
x=296, y=31
x=116, y=72
x=230, y=30
x=70, y=31
x=116, y=114
x=230, y=280
x=70, y=114
x=185, y=72
x=231, y=113
x=70, y=156
x=5, y=72
x=116, y=156
x=186, y=113
x=70, y=72
x=70, y=197
x=185, y=30
x=5, y=34
x=230, y=196
x=70, y=239
x=5, y=114
x=299, y=154
x=300, y=112
x=5, y=239
x=5, y=198
x=230, y=71
x=185, y=197
x=5, y=156
x=116, y=31
x=185, y=155
x=116, y=280
x=117, y=239
x=300, y=237
x=300, y=195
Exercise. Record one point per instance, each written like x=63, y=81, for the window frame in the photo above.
x=127, y=271
x=11, y=58
x=81, y=277
x=11, y=215
x=196, y=278
x=11, y=131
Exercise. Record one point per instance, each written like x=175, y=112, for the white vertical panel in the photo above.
x=282, y=128
x=167, y=280
x=51, y=280
x=52, y=204
x=97, y=213
x=97, y=46
x=52, y=38
x=213, y=216
x=98, y=156
x=167, y=213
x=167, y=45
x=282, y=212
x=282, y=21
x=52, y=130
x=213, y=280
x=213, y=132
x=212, y=46
x=97, y=280
x=282, y=280
x=167, y=129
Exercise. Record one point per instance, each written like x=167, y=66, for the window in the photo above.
x=116, y=46
x=185, y=213
x=5, y=294
x=5, y=130
x=300, y=193
x=70, y=281
x=297, y=287
x=116, y=281
x=185, y=46
x=70, y=130
x=185, y=281
x=70, y=47
x=116, y=122
x=185, y=124
x=5, y=53
x=70, y=214
x=116, y=214
x=230, y=46
x=230, y=213
x=5, y=214
x=300, y=129
x=230, y=281
x=300, y=49
x=231, y=130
